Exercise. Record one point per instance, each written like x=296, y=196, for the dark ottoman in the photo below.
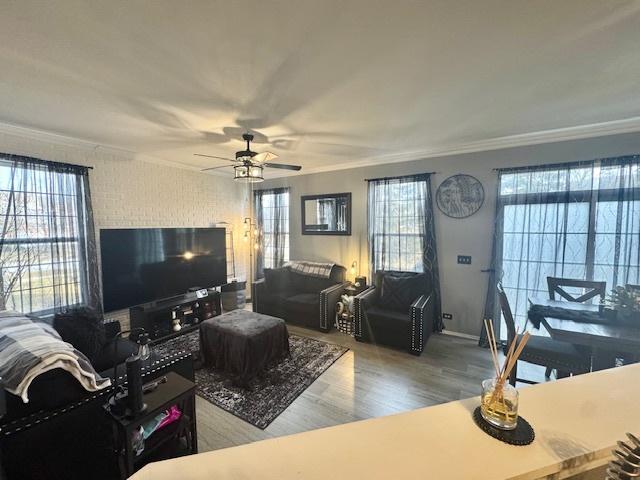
x=243, y=343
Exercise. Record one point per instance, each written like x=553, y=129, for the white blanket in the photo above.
x=29, y=348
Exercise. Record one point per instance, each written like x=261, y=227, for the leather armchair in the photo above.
x=408, y=327
x=299, y=299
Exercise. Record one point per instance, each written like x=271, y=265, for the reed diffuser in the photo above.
x=499, y=400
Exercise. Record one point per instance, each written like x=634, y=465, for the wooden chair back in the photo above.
x=507, y=314
x=592, y=289
x=633, y=288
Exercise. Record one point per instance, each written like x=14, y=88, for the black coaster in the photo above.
x=523, y=434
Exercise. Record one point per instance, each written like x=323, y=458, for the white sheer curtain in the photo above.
x=579, y=221
x=401, y=230
x=272, y=215
x=47, y=249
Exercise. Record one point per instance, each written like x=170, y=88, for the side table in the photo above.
x=345, y=322
x=345, y=319
x=174, y=440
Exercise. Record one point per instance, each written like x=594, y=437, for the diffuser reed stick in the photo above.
x=513, y=352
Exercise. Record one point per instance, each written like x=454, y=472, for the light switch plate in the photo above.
x=447, y=316
x=464, y=259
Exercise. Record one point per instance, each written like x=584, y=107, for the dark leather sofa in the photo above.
x=64, y=431
x=402, y=318
x=299, y=299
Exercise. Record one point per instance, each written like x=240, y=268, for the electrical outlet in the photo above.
x=447, y=316
x=464, y=259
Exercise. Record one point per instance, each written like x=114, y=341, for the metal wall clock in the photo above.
x=460, y=196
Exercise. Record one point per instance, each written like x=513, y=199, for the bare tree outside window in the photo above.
x=47, y=243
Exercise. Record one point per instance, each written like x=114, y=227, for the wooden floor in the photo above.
x=368, y=381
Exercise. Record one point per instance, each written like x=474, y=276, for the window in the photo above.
x=397, y=223
x=578, y=221
x=401, y=228
x=43, y=249
x=272, y=212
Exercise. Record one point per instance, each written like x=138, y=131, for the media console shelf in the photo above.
x=158, y=318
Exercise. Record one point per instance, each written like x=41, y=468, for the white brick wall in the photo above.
x=127, y=192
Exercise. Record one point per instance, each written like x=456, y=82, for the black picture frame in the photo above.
x=307, y=231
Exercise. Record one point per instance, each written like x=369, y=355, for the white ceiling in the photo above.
x=326, y=84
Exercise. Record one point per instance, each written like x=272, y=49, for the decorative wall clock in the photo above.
x=460, y=196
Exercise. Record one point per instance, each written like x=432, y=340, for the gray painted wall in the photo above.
x=463, y=286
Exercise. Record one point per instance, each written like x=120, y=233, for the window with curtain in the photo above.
x=272, y=215
x=47, y=249
x=402, y=229
x=579, y=221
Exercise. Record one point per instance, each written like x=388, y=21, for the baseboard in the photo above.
x=461, y=335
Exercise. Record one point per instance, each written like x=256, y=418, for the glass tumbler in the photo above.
x=499, y=404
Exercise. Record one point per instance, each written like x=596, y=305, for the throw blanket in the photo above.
x=314, y=269
x=29, y=348
x=538, y=312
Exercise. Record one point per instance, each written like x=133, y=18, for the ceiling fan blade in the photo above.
x=264, y=157
x=282, y=166
x=215, y=168
x=214, y=156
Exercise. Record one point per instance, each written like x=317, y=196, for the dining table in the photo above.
x=584, y=324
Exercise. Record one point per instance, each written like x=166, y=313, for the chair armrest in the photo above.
x=361, y=302
x=328, y=299
x=258, y=289
x=421, y=316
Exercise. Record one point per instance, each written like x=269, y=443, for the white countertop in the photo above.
x=577, y=423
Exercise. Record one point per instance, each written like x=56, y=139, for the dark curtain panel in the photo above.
x=272, y=217
x=579, y=220
x=47, y=246
x=402, y=229
x=491, y=306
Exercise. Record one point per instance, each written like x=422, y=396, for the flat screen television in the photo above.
x=140, y=265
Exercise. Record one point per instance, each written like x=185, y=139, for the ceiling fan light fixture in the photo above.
x=248, y=173
x=249, y=164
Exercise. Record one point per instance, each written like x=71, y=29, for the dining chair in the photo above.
x=591, y=289
x=544, y=351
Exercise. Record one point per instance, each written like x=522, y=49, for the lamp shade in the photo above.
x=248, y=173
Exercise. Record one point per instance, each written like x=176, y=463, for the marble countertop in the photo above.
x=577, y=423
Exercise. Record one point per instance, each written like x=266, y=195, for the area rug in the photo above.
x=271, y=393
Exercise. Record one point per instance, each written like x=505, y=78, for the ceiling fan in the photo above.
x=248, y=164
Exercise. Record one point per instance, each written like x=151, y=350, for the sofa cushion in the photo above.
x=338, y=273
x=389, y=327
x=277, y=280
x=83, y=328
x=302, y=308
x=399, y=292
x=309, y=284
x=303, y=299
x=380, y=274
x=115, y=351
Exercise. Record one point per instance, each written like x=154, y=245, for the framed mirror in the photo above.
x=328, y=214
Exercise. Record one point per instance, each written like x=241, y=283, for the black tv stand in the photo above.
x=158, y=317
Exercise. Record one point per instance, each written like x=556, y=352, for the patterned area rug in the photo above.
x=269, y=394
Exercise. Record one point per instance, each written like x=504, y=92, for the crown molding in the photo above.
x=58, y=139
x=615, y=127
x=91, y=147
